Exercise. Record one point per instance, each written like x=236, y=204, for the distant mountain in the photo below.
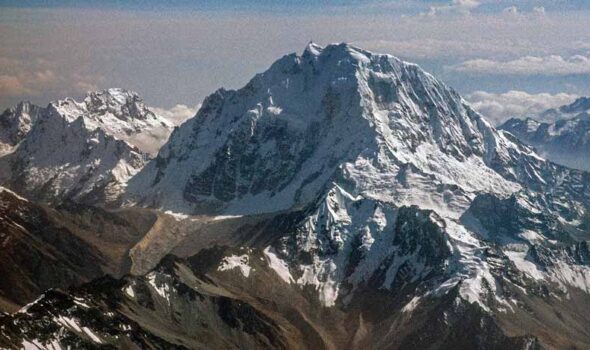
x=579, y=106
x=565, y=141
x=341, y=199
x=84, y=151
x=121, y=114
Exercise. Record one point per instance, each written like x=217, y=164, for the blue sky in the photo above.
x=506, y=56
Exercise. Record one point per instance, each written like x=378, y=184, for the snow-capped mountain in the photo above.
x=333, y=113
x=565, y=141
x=341, y=199
x=85, y=151
x=580, y=105
x=361, y=141
x=15, y=123
x=121, y=114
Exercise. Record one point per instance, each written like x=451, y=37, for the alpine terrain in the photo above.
x=342, y=199
x=102, y=142
x=565, y=139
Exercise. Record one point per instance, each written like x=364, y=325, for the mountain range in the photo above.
x=84, y=151
x=564, y=139
x=340, y=199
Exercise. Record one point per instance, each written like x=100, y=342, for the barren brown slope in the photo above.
x=44, y=248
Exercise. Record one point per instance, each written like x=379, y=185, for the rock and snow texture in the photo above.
x=378, y=123
x=374, y=148
x=566, y=140
x=240, y=262
x=121, y=114
x=84, y=151
x=15, y=124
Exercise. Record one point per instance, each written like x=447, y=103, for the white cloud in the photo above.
x=432, y=48
x=151, y=140
x=528, y=65
x=539, y=10
x=177, y=114
x=512, y=10
x=461, y=7
x=499, y=107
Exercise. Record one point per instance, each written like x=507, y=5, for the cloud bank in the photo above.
x=177, y=114
x=528, y=65
x=497, y=108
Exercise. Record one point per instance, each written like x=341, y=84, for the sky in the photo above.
x=506, y=57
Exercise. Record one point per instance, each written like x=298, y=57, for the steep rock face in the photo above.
x=83, y=151
x=70, y=160
x=565, y=141
x=332, y=114
x=15, y=124
x=539, y=241
x=345, y=244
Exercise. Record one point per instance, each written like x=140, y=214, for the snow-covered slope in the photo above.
x=15, y=123
x=565, y=140
x=85, y=151
x=338, y=113
x=358, y=140
x=121, y=114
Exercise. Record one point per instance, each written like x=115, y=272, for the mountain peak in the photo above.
x=123, y=104
x=119, y=103
x=337, y=112
x=312, y=49
x=102, y=142
x=581, y=104
x=563, y=140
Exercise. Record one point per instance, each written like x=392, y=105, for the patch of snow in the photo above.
x=233, y=261
x=80, y=302
x=225, y=217
x=68, y=322
x=91, y=335
x=162, y=288
x=176, y=216
x=278, y=265
x=4, y=189
x=412, y=305
x=25, y=308
x=129, y=291
x=524, y=265
x=35, y=344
